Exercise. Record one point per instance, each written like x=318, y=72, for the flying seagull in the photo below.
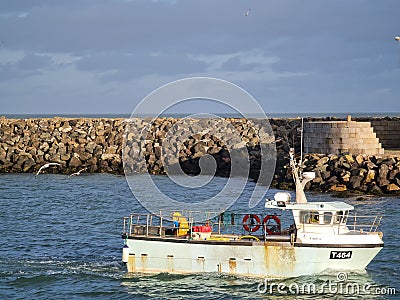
x=246, y=13
x=78, y=173
x=46, y=166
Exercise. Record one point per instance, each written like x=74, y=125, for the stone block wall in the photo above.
x=337, y=137
x=388, y=132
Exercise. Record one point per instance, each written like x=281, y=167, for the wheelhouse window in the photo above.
x=327, y=217
x=309, y=217
x=341, y=217
x=315, y=217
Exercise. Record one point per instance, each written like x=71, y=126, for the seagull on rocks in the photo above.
x=46, y=166
x=246, y=13
x=78, y=173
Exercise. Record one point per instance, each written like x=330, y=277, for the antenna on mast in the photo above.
x=301, y=141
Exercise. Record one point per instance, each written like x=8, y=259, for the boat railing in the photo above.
x=182, y=224
x=315, y=222
x=364, y=223
x=154, y=224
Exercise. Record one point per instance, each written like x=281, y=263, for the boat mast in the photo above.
x=300, y=196
x=300, y=179
x=301, y=141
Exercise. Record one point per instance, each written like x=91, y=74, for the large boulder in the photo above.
x=74, y=162
x=355, y=182
x=383, y=175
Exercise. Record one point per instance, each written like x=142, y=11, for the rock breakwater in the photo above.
x=98, y=145
x=345, y=173
x=27, y=144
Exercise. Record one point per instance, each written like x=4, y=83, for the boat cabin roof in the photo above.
x=311, y=206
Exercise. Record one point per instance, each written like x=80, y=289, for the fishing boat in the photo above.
x=323, y=236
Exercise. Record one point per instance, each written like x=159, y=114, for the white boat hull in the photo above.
x=269, y=259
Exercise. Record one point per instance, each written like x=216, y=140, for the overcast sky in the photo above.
x=101, y=56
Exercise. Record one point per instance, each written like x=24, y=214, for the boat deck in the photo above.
x=216, y=239
x=221, y=229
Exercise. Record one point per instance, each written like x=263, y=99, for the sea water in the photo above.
x=61, y=239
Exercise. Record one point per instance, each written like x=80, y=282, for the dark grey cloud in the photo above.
x=30, y=65
x=34, y=62
x=124, y=66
